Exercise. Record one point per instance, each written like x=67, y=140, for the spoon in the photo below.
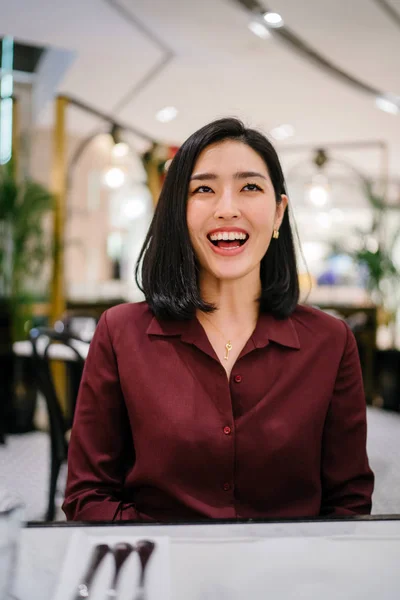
x=145, y=549
x=121, y=552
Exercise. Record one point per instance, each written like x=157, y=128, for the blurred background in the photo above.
x=95, y=99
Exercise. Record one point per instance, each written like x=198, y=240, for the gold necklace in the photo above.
x=228, y=345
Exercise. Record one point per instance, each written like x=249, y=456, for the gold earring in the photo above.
x=275, y=235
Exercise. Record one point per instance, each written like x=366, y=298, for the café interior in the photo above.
x=96, y=99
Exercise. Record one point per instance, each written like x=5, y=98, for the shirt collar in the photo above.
x=280, y=331
x=167, y=328
x=268, y=329
x=189, y=331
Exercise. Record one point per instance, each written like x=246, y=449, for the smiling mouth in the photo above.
x=229, y=244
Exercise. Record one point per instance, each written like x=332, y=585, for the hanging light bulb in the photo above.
x=114, y=177
x=318, y=191
x=120, y=150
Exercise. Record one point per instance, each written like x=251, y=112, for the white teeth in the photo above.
x=225, y=235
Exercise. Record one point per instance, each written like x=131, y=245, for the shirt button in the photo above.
x=238, y=378
x=227, y=487
x=227, y=430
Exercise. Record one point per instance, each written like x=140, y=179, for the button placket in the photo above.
x=227, y=485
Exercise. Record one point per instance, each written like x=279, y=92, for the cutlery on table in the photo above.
x=99, y=552
x=145, y=549
x=121, y=552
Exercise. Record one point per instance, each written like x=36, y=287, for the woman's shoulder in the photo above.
x=314, y=314
x=124, y=317
x=128, y=310
x=312, y=321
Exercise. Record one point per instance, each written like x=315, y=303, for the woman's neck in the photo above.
x=236, y=300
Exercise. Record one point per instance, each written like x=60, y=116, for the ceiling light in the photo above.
x=389, y=104
x=282, y=132
x=120, y=150
x=259, y=30
x=318, y=195
x=317, y=192
x=167, y=114
x=114, y=178
x=273, y=19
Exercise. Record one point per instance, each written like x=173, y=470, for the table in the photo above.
x=57, y=351
x=250, y=560
x=60, y=352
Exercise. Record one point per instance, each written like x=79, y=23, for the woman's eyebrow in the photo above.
x=203, y=176
x=238, y=175
x=246, y=174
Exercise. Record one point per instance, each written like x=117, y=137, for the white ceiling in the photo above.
x=220, y=68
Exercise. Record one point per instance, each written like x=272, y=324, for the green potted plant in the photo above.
x=25, y=246
x=374, y=255
x=24, y=243
x=383, y=276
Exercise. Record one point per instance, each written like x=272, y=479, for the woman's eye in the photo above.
x=203, y=189
x=252, y=187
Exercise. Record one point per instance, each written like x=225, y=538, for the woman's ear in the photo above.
x=280, y=210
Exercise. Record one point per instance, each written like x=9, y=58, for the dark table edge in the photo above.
x=46, y=524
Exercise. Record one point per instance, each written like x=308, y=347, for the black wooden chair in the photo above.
x=43, y=342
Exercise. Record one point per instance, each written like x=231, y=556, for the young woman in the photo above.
x=220, y=397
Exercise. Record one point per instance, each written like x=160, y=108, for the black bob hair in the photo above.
x=167, y=269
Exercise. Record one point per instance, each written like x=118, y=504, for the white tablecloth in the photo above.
x=339, y=560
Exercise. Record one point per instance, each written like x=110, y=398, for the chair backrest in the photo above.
x=43, y=339
x=80, y=323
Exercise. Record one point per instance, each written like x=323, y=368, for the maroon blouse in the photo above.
x=161, y=434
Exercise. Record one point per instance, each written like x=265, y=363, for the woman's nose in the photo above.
x=227, y=206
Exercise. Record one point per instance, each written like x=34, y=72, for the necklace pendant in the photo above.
x=228, y=347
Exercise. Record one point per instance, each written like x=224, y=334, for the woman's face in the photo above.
x=231, y=196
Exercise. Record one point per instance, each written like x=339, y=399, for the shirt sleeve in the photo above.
x=347, y=480
x=101, y=447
